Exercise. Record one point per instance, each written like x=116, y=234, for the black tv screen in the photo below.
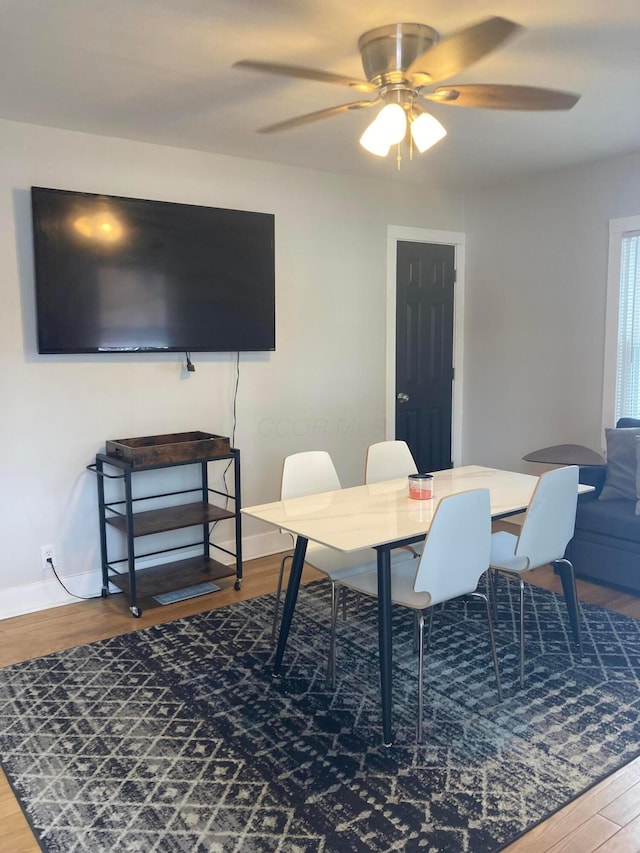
x=129, y=275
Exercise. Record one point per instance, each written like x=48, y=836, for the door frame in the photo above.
x=396, y=234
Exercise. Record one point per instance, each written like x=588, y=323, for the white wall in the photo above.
x=322, y=388
x=536, y=287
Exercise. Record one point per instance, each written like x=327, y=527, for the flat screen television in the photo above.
x=130, y=275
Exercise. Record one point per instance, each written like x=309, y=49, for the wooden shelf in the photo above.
x=170, y=518
x=171, y=576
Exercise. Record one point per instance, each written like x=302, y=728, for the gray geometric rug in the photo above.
x=176, y=739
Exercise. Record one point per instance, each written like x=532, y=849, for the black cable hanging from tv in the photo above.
x=190, y=365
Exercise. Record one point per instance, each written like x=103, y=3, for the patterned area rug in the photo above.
x=176, y=738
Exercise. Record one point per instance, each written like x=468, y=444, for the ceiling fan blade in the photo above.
x=315, y=116
x=498, y=97
x=305, y=74
x=462, y=49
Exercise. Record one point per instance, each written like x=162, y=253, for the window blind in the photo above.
x=628, y=361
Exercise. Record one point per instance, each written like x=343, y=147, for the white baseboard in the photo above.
x=32, y=597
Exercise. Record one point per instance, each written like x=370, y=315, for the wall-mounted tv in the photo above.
x=131, y=275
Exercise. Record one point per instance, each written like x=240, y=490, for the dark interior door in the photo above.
x=424, y=351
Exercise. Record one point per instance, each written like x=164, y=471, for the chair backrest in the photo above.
x=550, y=518
x=388, y=460
x=308, y=473
x=457, y=548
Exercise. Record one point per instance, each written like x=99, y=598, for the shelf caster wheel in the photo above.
x=136, y=612
x=105, y=592
x=237, y=586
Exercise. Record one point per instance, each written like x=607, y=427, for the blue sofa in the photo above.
x=606, y=544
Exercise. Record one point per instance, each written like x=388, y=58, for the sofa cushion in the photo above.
x=623, y=423
x=620, y=483
x=616, y=519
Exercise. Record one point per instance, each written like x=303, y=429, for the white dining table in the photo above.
x=382, y=516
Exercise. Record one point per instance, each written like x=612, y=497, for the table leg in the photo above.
x=385, y=640
x=297, y=565
x=565, y=570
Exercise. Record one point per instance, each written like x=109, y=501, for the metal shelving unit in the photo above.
x=119, y=514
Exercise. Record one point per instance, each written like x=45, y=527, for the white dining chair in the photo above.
x=390, y=460
x=309, y=473
x=547, y=528
x=450, y=566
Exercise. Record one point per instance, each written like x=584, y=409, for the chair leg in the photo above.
x=416, y=629
x=279, y=596
x=420, y=618
x=521, y=582
x=492, y=579
x=567, y=576
x=331, y=661
x=492, y=638
x=565, y=570
x=430, y=627
x=512, y=576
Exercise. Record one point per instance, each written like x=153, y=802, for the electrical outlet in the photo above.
x=47, y=552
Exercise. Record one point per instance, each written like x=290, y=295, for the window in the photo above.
x=621, y=391
x=628, y=359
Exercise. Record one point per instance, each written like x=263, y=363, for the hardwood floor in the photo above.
x=605, y=819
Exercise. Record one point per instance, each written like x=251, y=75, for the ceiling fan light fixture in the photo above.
x=392, y=121
x=388, y=128
x=426, y=130
x=402, y=62
x=374, y=142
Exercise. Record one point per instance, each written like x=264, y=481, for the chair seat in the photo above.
x=337, y=564
x=403, y=576
x=503, y=556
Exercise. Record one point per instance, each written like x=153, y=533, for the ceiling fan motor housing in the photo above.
x=388, y=51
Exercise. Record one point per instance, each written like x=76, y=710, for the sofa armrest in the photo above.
x=592, y=475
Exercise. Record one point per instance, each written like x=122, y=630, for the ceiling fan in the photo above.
x=402, y=63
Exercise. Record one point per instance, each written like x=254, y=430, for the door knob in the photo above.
x=401, y=397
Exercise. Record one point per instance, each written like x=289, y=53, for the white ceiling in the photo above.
x=160, y=71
